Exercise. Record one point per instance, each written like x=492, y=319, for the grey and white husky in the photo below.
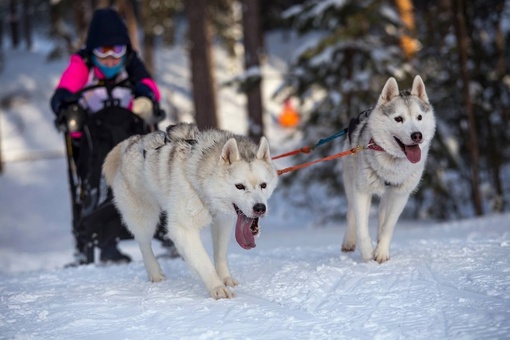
x=399, y=130
x=213, y=177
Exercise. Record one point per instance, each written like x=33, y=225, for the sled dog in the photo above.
x=212, y=177
x=398, y=132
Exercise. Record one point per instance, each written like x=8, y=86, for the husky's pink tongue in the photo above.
x=244, y=235
x=413, y=153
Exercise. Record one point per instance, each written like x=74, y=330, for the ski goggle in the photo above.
x=116, y=51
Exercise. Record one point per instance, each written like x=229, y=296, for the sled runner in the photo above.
x=96, y=221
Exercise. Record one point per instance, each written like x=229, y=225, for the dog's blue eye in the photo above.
x=399, y=119
x=240, y=186
x=263, y=185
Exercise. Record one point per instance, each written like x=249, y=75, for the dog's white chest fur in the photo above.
x=385, y=171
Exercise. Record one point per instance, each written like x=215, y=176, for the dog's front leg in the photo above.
x=190, y=246
x=361, y=202
x=349, y=242
x=221, y=229
x=391, y=206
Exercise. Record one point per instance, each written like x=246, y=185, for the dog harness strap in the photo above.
x=328, y=158
x=330, y=138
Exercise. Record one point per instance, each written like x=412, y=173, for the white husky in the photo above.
x=399, y=130
x=199, y=178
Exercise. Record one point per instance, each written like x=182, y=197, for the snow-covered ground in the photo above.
x=444, y=280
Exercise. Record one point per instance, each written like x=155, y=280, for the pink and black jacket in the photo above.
x=106, y=29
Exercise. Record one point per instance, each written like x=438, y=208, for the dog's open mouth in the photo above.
x=412, y=152
x=246, y=229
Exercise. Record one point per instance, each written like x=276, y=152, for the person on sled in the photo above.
x=107, y=57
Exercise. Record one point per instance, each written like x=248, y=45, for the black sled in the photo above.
x=96, y=221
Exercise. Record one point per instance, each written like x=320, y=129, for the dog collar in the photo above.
x=372, y=145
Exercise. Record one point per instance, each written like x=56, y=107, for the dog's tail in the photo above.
x=111, y=164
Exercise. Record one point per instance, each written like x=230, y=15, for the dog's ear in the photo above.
x=418, y=89
x=390, y=90
x=263, y=152
x=230, y=152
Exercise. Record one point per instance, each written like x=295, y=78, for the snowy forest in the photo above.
x=460, y=48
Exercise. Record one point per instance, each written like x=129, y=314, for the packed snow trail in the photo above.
x=443, y=281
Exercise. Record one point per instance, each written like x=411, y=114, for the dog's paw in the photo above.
x=230, y=282
x=157, y=278
x=346, y=248
x=222, y=292
x=366, y=249
x=381, y=255
x=349, y=242
x=156, y=275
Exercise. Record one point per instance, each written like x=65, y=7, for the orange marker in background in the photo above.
x=289, y=117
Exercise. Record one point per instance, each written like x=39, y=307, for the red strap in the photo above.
x=328, y=158
x=305, y=149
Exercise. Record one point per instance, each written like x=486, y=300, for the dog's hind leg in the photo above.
x=151, y=263
x=221, y=229
x=391, y=206
x=190, y=246
x=142, y=222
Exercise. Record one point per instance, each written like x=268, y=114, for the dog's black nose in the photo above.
x=416, y=137
x=259, y=208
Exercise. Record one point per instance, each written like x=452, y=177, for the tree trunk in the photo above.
x=148, y=52
x=58, y=30
x=407, y=41
x=82, y=15
x=127, y=11
x=148, y=36
x=1, y=161
x=1, y=27
x=462, y=40
x=502, y=68
x=27, y=23
x=14, y=23
x=252, y=51
x=102, y=4
x=200, y=56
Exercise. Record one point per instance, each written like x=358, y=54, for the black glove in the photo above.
x=61, y=100
x=142, y=90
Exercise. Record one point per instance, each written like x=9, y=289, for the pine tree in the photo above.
x=341, y=73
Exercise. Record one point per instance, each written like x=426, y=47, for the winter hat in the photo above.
x=106, y=29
